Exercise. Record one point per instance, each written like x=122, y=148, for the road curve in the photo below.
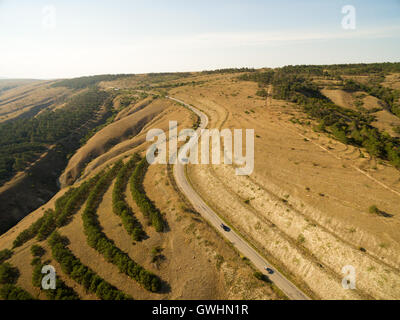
x=291, y=291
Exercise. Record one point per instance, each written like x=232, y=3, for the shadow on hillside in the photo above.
x=165, y=287
x=385, y=214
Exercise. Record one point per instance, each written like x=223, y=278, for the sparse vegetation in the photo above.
x=348, y=126
x=374, y=209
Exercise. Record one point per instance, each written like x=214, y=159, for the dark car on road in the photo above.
x=225, y=227
x=269, y=270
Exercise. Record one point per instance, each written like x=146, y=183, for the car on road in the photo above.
x=225, y=227
x=269, y=270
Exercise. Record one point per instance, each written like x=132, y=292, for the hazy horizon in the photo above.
x=65, y=39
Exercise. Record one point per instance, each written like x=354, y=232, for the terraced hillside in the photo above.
x=324, y=193
x=119, y=229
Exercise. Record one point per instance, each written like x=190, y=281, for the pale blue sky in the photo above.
x=136, y=36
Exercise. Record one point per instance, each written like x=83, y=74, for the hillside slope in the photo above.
x=324, y=193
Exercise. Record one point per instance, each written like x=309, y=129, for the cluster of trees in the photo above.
x=5, y=255
x=304, y=70
x=70, y=204
x=110, y=115
x=66, y=206
x=80, y=273
x=363, y=68
x=177, y=85
x=389, y=96
x=8, y=273
x=34, y=228
x=99, y=241
x=148, y=208
x=348, y=126
x=343, y=69
x=120, y=206
x=228, y=70
x=85, y=82
x=262, y=78
x=23, y=140
x=12, y=292
x=8, y=277
x=62, y=291
x=157, y=75
x=37, y=251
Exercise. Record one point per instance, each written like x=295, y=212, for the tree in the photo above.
x=8, y=274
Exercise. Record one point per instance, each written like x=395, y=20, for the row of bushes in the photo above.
x=8, y=274
x=12, y=292
x=149, y=210
x=120, y=207
x=99, y=241
x=62, y=291
x=8, y=277
x=65, y=207
x=5, y=255
x=80, y=273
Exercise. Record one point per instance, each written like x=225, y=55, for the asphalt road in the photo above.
x=291, y=291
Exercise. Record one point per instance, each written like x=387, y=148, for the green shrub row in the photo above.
x=99, y=241
x=12, y=292
x=62, y=291
x=5, y=255
x=66, y=206
x=8, y=277
x=120, y=206
x=8, y=274
x=149, y=210
x=80, y=273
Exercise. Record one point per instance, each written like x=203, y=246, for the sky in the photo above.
x=70, y=38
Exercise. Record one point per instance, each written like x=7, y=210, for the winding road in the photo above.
x=290, y=290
